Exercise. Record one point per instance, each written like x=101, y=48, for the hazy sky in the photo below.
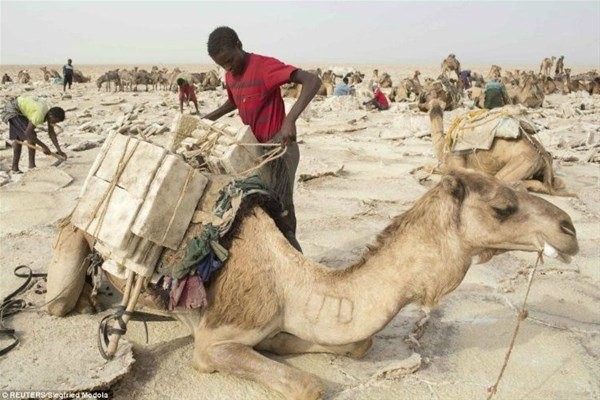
x=93, y=32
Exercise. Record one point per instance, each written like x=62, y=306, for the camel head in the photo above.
x=492, y=218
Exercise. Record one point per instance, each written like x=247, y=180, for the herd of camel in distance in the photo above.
x=523, y=87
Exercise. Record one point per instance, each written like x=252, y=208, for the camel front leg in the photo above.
x=284, y=343
x=518, y=169
x=244, y=362
x=537, y=187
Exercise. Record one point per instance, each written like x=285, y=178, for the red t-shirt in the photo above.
x=381, y=99
x=257, y=95
x=187, y=90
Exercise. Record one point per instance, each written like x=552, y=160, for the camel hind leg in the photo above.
x=66, y=272
x=284, y=343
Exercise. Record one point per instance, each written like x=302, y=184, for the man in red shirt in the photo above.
x=186, y=91
x=379, y=100
x=253, y=87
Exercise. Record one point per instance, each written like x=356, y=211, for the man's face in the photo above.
x=53, y=119
x=231, y=59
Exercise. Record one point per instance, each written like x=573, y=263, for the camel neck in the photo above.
x=409, y=265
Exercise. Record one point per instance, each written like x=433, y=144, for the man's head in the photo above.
x=225, y=48
x=345, y=80
x=180, y=82
x=55, y=114
x=69, y=61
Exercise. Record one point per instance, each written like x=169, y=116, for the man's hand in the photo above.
x=46, y=150
x=62, y=154
x=288, y=132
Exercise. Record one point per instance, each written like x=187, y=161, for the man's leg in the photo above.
x=16, y=156
x=284, y=179
x=31, y=153
x=16, y=131
x=279, y=175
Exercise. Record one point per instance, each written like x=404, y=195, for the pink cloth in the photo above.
x=189, y=294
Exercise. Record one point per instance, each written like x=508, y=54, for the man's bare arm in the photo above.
x=310, y=86
x=219, y=112
x=54, y=139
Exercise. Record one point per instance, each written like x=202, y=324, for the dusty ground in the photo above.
x=556, y=354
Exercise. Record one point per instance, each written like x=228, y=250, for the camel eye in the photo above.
x=505, y=212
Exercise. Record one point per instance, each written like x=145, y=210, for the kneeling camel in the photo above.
x=270, y=297
x=523, y=160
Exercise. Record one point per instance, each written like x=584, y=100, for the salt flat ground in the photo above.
x=556, y=355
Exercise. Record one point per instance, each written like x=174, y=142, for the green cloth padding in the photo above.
x=197, y=249
x=208, y=239
x=252, y=184
x=493, y=95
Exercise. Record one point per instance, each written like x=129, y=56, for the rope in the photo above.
x=471, y=120
x=522, y=315
x=269, y=156
x=12, y=306
x=205, y=148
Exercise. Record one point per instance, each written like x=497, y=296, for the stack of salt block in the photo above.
x=150, y=207
x=231, y=150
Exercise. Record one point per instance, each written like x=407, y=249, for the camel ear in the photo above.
x=454, y=186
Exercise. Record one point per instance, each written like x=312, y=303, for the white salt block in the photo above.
x=170, y=203
x=239, y=158
x=117, y=209
x=98, y=161
x=139, y=161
